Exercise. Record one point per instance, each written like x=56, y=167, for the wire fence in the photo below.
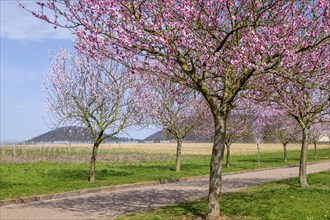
x=76, y=153
x=48, y=151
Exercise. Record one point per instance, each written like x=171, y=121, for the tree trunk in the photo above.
x=178, y=155
x=258, y=152
x=315, y=149
x=215, y=182
x=92, y=163
x=228, y=155
x=285, y=152
x=303, y=159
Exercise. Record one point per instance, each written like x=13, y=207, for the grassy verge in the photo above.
x=28, y=179
x=277, y=200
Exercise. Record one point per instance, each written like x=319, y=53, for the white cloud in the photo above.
x=18, y=24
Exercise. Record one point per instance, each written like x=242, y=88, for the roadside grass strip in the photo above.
x=48, y=177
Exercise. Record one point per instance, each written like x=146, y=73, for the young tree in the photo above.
x=314, y=136
x=286, y=129
x=82, y=91
x=259, y=117
x=215, y=47
x=177, y=110
x=258, y=124
x=236, y=129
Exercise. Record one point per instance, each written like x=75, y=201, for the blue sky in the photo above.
x=26, y=46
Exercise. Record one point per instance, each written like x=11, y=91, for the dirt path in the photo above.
x=107, y=205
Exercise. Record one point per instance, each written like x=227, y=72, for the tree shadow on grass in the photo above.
x=197, y=208
x=104, y=173
x=9, y=184
x=262, y=160
x=195, y=166
x=83, y=174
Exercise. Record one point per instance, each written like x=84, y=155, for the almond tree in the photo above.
x=177, y=110
x=214, y=47
x=236, y=129
x=304, y=94
x=82, y=91
x=259, y=119
x=286, y=129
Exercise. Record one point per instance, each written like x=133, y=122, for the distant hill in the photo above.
x=72, y=134
x=156, y=137
x=159, y=136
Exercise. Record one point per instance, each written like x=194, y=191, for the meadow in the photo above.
x=202, y=148
x=119, y=152
x=38, y=170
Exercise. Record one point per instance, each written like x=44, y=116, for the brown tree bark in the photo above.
x=303, y=159
x=315, y=149
x=258, y=149
x=285, y=155
x=92, y=163
x=215, y=183
x=178, y=155
x=228, y=154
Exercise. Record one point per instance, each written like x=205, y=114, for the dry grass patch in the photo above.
x=202, y=148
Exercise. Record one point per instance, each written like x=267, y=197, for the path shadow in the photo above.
x=111, y=204
x=238, y=183
x=118, y=203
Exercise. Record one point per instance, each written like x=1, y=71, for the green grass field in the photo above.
x=38, y=178
x=273, y=201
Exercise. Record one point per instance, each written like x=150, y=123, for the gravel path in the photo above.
x=106, y=205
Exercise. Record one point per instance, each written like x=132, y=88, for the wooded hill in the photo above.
x=70, y=134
